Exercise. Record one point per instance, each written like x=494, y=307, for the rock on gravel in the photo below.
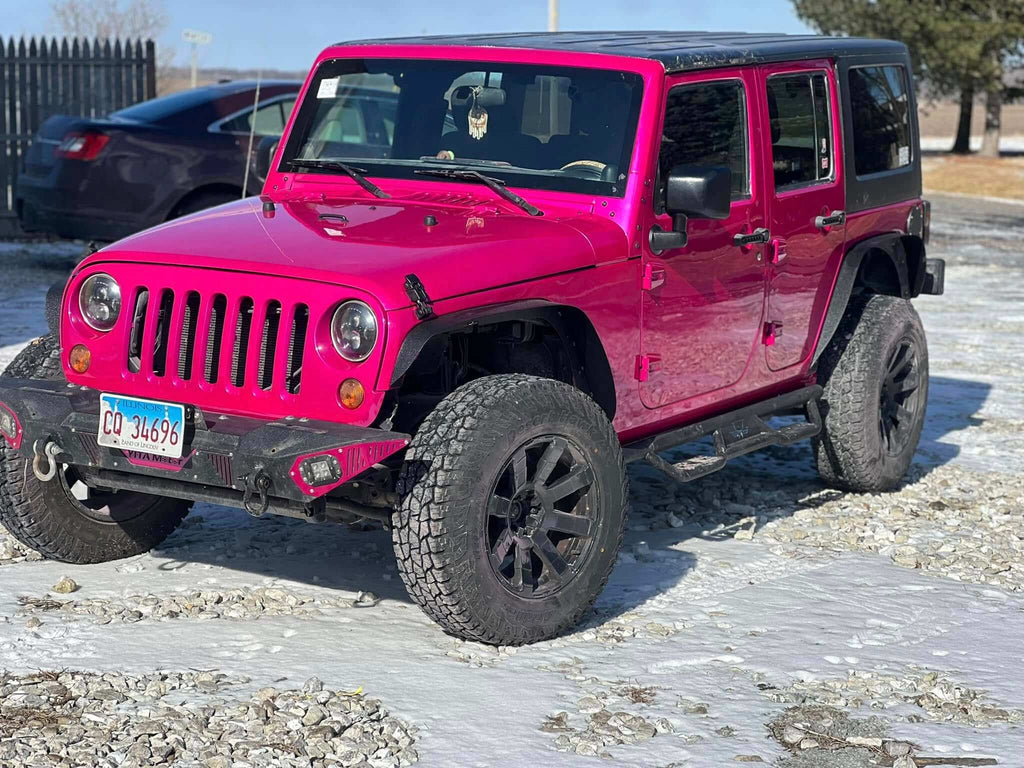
x=821, y=736
x=77, y=718
x=825, y=737
x=947, y=520
x=65, y=586
x=240, y=603
x=607, y=715
x=952, y=522
x=13, y=551
x=936, y=697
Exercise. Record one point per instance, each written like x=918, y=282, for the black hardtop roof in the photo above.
x=678, y=51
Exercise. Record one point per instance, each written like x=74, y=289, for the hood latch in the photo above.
x=418, y=295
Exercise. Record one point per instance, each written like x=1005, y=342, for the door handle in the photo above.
x=834, y=219
x=759, y=235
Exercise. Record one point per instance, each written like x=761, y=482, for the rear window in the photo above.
x=158, y=110
x=800, y=129
x=881, y=119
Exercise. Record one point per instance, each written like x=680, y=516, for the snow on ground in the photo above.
x=943, y=143
x=28, y=270
x=754, y=616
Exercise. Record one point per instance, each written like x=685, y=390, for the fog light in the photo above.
x=8, y=425
x=320, y=470
x=80, y=358
x=351, y=394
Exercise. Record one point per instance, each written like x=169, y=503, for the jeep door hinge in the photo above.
x=772, y=331
x=646, y=365
x=653, y=276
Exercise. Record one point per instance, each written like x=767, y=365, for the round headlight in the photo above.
x=354, y=331
x=100, y=301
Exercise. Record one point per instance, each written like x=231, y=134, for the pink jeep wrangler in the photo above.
x=486, y=273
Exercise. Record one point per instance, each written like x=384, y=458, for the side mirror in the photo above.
x=692, y=192
x=259, y=163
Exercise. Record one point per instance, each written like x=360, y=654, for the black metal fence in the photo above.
x=70, y=77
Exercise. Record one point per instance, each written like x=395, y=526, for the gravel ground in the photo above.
x=754, y=616
x=191, y=718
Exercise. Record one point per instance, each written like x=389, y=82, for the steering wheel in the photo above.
x=585, y=169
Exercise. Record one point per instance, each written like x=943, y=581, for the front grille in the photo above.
x=187, y=339
x=253, y=343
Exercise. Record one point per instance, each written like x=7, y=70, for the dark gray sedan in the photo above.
x=107, y=178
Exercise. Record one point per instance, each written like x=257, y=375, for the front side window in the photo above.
x=706, y=124
x=880, y=107
x=800, y=129
x=569, y=129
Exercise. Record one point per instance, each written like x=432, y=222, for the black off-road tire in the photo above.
x=852, y=451
x=42, y=516
x=442, y=524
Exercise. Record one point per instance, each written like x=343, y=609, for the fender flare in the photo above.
x=906, y=254
x=54, y=301
x=588, y=359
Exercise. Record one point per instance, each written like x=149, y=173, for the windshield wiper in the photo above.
x=334, y=165
x=466, y=174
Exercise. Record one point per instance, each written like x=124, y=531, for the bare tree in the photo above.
x=115, y=20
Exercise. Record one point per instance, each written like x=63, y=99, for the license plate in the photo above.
x=135, y=424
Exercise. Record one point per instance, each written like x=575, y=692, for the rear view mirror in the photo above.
x=259, y=163
x=699, y=191
x=485, y=95
x=692, y=192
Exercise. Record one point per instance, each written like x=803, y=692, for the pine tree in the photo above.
x=959, y=47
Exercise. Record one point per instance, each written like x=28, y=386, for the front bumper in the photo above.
x=252, y=463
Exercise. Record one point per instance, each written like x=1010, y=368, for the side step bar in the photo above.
x=735, y=433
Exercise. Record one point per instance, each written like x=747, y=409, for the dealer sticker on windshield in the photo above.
x=328, y=88
x=134, y=424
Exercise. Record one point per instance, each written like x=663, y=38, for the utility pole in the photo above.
x=552, y=92
x=195, y=38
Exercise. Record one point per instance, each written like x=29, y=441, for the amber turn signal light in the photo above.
x=80, y=358
x=351, y=394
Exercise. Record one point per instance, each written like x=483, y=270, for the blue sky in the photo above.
x=287, y=34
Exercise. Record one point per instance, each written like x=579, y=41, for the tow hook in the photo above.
x=47, y=457
x=258, y=482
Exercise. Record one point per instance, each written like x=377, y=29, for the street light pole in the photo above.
x=552, y=15
x=195, y=38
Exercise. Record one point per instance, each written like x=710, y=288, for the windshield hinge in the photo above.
x=418, y=295
x=653, y=276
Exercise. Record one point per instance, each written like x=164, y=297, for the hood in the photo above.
x=373, y=244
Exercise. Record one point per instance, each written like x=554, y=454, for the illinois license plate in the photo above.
x=134, y=424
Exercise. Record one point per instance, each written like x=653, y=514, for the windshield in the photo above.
x=568, y=129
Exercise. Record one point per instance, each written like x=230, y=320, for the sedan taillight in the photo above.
x=82, y=145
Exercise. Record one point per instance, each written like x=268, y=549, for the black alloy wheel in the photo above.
x=898, y=400
x=542, y=514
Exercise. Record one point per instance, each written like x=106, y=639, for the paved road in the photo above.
x=980, y=232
